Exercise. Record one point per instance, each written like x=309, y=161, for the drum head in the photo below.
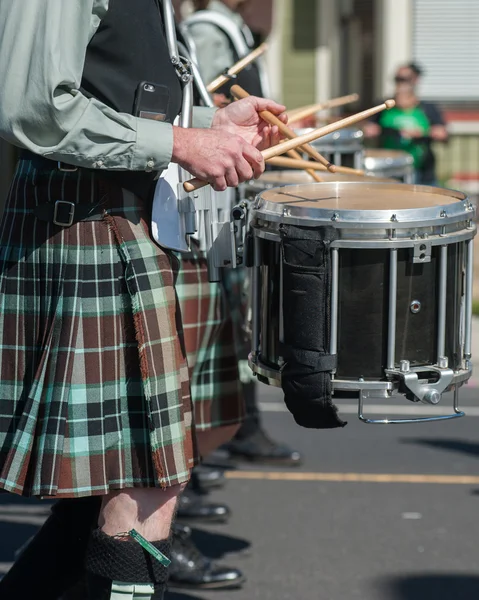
x=396, y=205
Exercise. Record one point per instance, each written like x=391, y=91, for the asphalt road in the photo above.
x=348, y=524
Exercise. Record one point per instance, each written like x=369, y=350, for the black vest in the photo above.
x=128, y=48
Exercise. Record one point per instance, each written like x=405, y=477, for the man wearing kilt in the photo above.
x=220, y=38
x=95, y=406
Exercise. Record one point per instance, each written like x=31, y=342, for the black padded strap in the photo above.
x=306, y=375
x=318, y=361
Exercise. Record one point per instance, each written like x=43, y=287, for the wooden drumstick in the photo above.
x=195, y=184
x=311, y=136
x=237, y=68
x=307, y=111
x=238, y=92
x=290, y=163
x=297, y=156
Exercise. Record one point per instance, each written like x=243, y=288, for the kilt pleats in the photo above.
x=94, y=390
x=208, y=321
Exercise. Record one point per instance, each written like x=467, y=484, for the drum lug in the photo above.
x=416, y=382
x=422, y=252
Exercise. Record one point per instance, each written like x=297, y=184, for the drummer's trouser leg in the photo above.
x=252, y=420
x=54, y=559
x=117, y=566
x=70, y=541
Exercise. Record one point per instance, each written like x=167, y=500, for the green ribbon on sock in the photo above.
x=166, y=562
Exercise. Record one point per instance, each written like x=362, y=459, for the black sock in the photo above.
x=114, y=562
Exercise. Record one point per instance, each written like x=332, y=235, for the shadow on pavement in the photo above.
x=20, y=519
x=216, y=545
x=458, y=586
x=470, y=448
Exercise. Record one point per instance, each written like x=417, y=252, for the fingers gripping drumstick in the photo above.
x=238, y=92
x=268, y=116
x=237, y=68
x=195, y=184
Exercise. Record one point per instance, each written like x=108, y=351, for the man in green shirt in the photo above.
x=412, y=125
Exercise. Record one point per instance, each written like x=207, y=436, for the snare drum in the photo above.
x=389, y=163
x=399, y=286
x=343, y=148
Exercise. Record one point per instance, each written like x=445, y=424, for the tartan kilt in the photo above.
x=209, y=314
x=94, y=390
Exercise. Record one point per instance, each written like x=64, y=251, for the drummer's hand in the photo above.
x=221, y=158
x=371, y=130
x=242, y=118
x=411, y=134
x=221, y=100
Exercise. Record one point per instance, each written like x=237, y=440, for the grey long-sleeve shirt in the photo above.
x=42, y=52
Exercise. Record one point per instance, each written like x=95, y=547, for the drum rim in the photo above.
x=461, y=210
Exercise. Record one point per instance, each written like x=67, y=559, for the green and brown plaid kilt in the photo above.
x=209, y=313
x=94, y=392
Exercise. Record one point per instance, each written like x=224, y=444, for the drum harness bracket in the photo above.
x=422, y=389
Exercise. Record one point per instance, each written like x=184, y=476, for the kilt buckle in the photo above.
x=66, y=168
x=64, y=213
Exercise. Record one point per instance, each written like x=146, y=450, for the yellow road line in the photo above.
x=354, y=477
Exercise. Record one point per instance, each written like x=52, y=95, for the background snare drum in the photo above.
x=343, y=148
x=389, y=163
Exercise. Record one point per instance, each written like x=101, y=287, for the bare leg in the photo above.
x=149, y=511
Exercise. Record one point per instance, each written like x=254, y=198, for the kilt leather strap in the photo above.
x=65, y=213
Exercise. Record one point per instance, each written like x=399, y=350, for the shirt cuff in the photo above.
x=154, y=146
x=203, y=116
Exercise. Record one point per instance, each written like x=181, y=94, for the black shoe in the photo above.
x=206, y=478
x=191, y=507
x=259, y=448
x=191, y=569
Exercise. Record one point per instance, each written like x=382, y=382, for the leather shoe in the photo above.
x=191, y=507
x=206, y=478
x=191, y=569
x=259, y=448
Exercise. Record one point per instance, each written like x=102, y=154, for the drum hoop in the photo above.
x=386, y=243
x=462, y=210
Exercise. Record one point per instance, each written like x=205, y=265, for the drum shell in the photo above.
x=363, y=309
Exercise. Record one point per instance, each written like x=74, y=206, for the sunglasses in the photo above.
x=399, y=79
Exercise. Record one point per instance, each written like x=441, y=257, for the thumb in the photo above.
x=266, y=104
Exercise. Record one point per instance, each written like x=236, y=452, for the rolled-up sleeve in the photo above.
x=42, y=53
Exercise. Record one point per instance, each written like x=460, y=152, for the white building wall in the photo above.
x=394, y=41
x=328, y=50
